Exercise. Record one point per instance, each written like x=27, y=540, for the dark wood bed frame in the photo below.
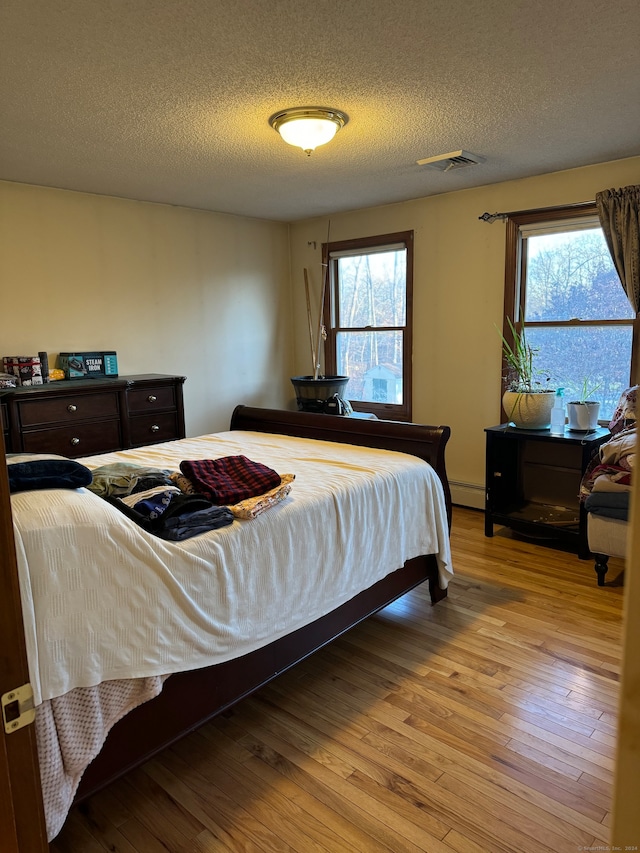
x=191, y=698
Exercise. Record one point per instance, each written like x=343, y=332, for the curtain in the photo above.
x=619, y=214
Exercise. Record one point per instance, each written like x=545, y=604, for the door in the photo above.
x=22, y=825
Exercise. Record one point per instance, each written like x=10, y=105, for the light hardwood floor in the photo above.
x=485, y=723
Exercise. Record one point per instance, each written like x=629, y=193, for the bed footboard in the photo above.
x=191, y=698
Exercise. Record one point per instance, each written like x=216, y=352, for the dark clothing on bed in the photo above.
x=230, y=479
x=47, y=474
x=183, y=517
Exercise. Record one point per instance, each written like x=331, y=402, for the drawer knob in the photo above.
x=75, y=441
x=155, y=428
x=72, y=408
x=151, y=398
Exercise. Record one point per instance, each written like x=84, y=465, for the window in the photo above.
x=575, y=311
x=368, y=321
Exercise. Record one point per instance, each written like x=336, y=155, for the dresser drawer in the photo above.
x=100, y=414
x=83, y=439
x=148, y=429
x=142, y=400
x=68, y=409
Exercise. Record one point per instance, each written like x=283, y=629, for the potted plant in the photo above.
x=583, y=412
x=528, y=399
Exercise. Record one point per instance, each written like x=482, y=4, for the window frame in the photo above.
x=386, y=411
x=515, y=278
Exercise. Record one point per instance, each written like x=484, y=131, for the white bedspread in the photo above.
x=104, y=600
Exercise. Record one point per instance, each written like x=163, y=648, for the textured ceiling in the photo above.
x=169, y=100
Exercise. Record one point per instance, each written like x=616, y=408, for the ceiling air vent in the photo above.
x=453, y=160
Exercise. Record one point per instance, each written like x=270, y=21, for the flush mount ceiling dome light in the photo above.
x=308, y=127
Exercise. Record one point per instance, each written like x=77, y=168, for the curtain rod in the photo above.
x=491, y=217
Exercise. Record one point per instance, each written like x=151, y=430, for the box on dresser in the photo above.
x=26, y=368
x=88, y=365
x=95, y=416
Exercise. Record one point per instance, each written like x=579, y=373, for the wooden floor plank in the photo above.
x=100, y=823
x=302, y=830
x=484, y=724
x=213, y=805
x=381, y=821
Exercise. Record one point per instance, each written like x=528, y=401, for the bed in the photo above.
x=133, y=641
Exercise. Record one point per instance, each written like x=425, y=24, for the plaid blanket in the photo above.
x=230, y=479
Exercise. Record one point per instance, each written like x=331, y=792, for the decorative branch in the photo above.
x=314, y=359
x=322, y=332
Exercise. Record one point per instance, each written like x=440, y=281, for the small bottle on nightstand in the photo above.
x=557, y=414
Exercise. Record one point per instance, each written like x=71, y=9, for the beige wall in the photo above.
x=458, y=297
x=458, y=301
x=171, y=290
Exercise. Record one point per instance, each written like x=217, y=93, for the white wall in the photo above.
x=458, y=297
x=172, y=290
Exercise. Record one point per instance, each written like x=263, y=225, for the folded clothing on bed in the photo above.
x=253, y=507
x=250, y=507
x=229, y=479
x=125, y=478
x=47, y=474
x=174, y=516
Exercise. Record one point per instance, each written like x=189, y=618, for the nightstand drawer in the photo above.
x=68, y=409
x=82, y=439
x=151, y=399
x=148, y=429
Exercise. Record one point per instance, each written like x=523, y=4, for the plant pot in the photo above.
x=312, y=394
x=583, y=417
x=528, y=411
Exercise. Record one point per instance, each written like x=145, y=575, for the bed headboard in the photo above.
x=426, y=442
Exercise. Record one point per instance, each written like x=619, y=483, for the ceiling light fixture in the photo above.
x=308, y=127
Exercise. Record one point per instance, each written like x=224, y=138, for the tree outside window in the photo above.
x=368, y=321
x=562, y=283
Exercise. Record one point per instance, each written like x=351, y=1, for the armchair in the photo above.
x=606, y=487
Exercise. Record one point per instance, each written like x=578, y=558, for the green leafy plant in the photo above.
x=586, y=391
x=522, y=376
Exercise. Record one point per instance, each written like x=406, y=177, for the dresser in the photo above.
x=87, y=416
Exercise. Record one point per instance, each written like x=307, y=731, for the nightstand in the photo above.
x=533, y=482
